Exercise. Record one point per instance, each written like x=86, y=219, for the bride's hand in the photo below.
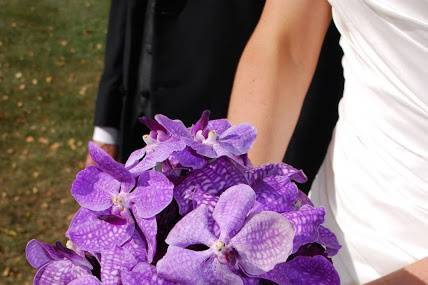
x=414, y=274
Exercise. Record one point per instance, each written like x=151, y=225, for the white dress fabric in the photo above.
x=374, y=180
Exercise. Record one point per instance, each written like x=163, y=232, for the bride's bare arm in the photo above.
x=275, y=71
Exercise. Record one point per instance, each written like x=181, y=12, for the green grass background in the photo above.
x=51, y=54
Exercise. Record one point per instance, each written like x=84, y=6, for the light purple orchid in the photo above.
x=251, y=244
x=58, y=265
x=165, y=138
x=217, y=138
x=116, y=198
x=111, y=185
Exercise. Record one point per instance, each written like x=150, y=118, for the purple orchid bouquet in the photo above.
x=189, y=208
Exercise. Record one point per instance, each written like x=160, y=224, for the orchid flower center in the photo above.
x=224, y=253
x=69, y=244
x=199, y=136
x=153, y=138
x=119, y=201
x=211, y=139
x=148, y=140
x=219, y=246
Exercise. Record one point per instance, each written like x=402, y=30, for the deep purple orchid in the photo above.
x=307, y=222
x=273, y=183
x=217, y=138
x=212, y=179
x=58, y=265
x=246, y=244
x=304, y=270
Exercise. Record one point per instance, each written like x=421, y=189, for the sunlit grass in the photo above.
x=50, y=61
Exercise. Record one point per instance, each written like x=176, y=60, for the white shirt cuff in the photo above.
x=105, y=135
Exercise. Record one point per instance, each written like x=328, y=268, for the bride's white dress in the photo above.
x=374, y=180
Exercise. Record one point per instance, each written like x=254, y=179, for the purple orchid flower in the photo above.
x=116, y=198
x=217, y=138
x=165, y=138
x=212, y=179
x=251, y=244
x=272, y=182
x=307, y=222
x=58, y=265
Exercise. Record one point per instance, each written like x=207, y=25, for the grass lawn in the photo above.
x=51, y=56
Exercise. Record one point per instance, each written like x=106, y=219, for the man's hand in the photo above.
x=111, y=149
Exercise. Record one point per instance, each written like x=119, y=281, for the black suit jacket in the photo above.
x=179, y=57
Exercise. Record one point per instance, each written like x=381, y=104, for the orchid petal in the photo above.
x=192, y=229
x=188, y=158
x=206, y=150
x=137, y=245
x=143, y=273
x=201, y=123
x=198, y=198
x=151, y=124
x=153, y=193
x=159, y=153
x=265, y=241
x=106, y=163
x=238, y=139
x=135, y=157
x=276, y=169
x=213, y=178
x=302, y=199
x=219, y=125
x=328, y=239
x=60, y=272
x=98, y=233
x=232, y=208
x=182, y=265
x=36, y=253
x=306, y=222
x=174, y=127
x=304, y=270
x=251, y=280
x=216, y=273
x=86, y=280
x=112, y=262
x=93, y=189
x=276, y=193
x=149, y=228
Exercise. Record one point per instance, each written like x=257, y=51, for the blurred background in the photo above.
x=51, y=56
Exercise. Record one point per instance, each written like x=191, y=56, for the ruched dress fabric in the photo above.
x=374, y=179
